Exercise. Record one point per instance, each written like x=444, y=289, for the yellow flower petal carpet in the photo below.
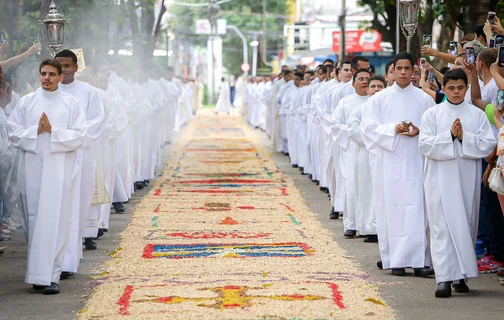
x=225, y=235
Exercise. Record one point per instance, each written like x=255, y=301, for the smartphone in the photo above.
x=499, y=40
x=491, y=43
x=470, y=55
x=431, y=77
x=423, y=63
x=491, y=17
x=36, y=40
x=501, y=57
x=2, y=37
x=453, y=47
x=427, y=40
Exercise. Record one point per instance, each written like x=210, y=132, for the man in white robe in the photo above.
x=364, y=214
x=224, y=102
x=277, y=139
x=390, y=124
x=84, y=212
x=48, y=126
x=280, y=81
x=348, y=148
x=454, y=136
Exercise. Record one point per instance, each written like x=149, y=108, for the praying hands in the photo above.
x=44, y=125
x=456, y=129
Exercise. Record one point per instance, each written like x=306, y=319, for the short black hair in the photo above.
x=328, y=61
x=299, y=74
x=479, y=32
x=360, y=71
x=67, y=54
x=355, y=61
x=404, y=56
x=378, y=78
x=443, y=70
x=52, y=63
x=287, y=72
x=456, y=74
x=324, y=69
x=345, y=62
x=387, y=66
x=310, y=72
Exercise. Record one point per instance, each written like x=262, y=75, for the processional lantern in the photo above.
x=53, y=29
x=409, y=10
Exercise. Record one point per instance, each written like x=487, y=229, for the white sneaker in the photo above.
x=4, y=237
x=13, y=223
x=6, y=232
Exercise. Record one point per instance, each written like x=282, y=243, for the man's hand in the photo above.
x=428, y=51
x=35, y=48
x=487, y=29
x=497, y=26
x=401, y=128
x=413, y=132
x=46, y=125
x=470, y=69
x=24, y=46
x=3, y=50
x=40, y=129
x=456, y=129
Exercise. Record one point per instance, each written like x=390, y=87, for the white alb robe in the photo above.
x=364, y=213
x=401, y=219
x=452, y=185
x=47, y=173
x=84, y=213
x=348, y=149
x=224, y=102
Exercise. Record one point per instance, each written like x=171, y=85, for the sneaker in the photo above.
x=500, y=274
x=4, y=237
x=488, y=264
x=4, y=226
x=13, y=223
x=5, y=232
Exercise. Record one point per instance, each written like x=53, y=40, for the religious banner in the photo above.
x=358, y=41
x=80, y=59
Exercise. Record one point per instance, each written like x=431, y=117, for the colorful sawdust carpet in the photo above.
x=225, y=235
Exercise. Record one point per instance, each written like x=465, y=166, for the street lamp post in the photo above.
x=409, y=19
x=245, y=46
x=254, y=44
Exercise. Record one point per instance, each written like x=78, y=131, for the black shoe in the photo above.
x=371, y=238
x=317, y=182
x=90, y=244
x=333, y=214
x=461, y=287
x=424, y=272
x=324, y=189
x=294, y=165
x=100, y=233
x=52, y=289
x=301, y=169
x=139, y=185
x=443, y=290
x=65, y=275
x=119, y=207
x=105, y=230
x=400, y=272
x=37, y=287
x=350, y=233
x=145, y=184
x=146, y=181
x=310, y=176
x=379, y=264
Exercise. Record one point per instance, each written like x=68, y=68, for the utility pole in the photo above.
x=211, y=4
x=342, y=23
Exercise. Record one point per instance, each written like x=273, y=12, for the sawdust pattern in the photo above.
x=273, y=259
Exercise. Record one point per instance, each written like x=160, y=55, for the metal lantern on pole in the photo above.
x=409, y=10
x=53, y=29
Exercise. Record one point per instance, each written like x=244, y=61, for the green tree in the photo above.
x=246, y=15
